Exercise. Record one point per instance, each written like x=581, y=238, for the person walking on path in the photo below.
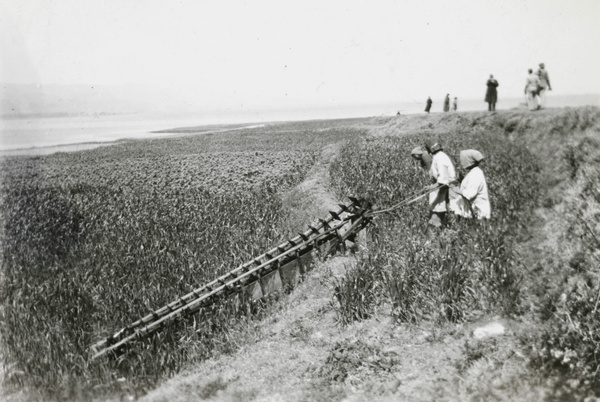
x=447, y=103
x=532, y=85
x=544, y=84
x=455, y=104
x=442, y=173
x=474, y=200
x=428, y=104
x=491, y=94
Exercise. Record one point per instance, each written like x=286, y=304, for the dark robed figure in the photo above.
x=428, y=104
x=491, y=95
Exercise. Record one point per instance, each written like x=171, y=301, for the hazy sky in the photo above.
x=277, y=52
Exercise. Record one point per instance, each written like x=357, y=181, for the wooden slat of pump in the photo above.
x=237, y=274
x=195, y=305
x=196, y=293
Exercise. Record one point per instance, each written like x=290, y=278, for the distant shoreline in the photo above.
x=217, y=128
x=414, y=105
x=39, y=151
x=82, y=140
x=75, y=147
x=20, y=116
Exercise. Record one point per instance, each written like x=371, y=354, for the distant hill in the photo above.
x=17, y=100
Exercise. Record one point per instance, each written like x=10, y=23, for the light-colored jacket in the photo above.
x=532, y=83
x=476, y=199
x=442, y=171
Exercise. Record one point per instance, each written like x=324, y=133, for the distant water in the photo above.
x=55, y=131
x=47, y=135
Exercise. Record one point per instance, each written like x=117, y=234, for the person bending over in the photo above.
x=475, y=201
x=442, y=173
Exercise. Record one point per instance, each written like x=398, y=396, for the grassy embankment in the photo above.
x=92, y=241
x=536, y=261
x=407, y=306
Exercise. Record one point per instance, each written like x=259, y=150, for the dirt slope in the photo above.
x=294, y=356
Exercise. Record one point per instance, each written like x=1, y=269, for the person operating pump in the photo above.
x=443, y=174
x=474, y=201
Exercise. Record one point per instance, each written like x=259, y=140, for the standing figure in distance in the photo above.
x=532, y=85
x=442, y=173
x=447, y=103
x=475, y=201
x=544, y=84
x=455, y=104
x=491, y=94
x=428, y=105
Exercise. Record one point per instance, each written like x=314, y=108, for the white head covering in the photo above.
x=470, y=157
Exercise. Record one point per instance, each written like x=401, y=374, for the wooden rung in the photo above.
x=292, y=253
x=343, y=207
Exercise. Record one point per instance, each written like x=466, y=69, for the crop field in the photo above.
x=475, y=269
x=470, y=269
x=94, y=240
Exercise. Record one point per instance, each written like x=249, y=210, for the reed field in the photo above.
x=543, y=167
x=93, y=240
x=467, y=270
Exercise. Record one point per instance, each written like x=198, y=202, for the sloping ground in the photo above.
x=295, y=350
x=298, y=352
x=311, y=199
x=299, y=349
